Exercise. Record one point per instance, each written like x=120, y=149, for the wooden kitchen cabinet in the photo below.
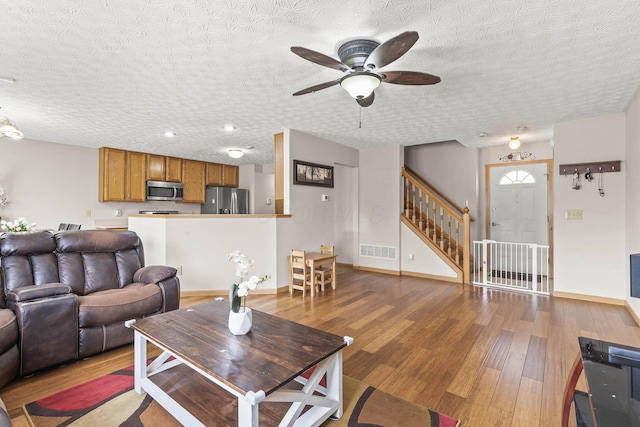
x=221, y=175
x=230, y=176
x=135, y=182
x=173, y=169
x=155, y=167
x=193, y=179
x=122, y=175
x=214, y=174
x=162, y=168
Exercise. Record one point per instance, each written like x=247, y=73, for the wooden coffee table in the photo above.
x=254, y=368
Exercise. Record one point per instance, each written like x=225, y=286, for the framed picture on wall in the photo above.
x=305, y=173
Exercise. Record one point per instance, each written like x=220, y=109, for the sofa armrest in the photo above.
x=154, y=274
x=28, y=293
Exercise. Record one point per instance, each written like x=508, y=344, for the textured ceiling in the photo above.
x=120, y=72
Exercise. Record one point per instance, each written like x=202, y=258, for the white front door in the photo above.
x=518, y=203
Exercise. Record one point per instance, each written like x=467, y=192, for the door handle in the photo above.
x=493, y=224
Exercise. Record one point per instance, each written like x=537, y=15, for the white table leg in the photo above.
x=139, y=360
x=334, y=383
x=247, y=413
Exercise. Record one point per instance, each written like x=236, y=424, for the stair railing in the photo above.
x=438, y=220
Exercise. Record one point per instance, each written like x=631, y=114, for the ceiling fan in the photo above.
x=361, y=60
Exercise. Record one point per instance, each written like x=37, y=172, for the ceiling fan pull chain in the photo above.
x=360, y=117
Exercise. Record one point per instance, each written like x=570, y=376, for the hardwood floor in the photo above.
x=487, y=357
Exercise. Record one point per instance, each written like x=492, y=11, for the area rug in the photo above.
x=110, y=401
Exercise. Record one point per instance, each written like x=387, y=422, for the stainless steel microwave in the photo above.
x=159, y=190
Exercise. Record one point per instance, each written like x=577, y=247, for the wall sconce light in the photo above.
x=235, y=153
x=7, y=128
x=514, y=144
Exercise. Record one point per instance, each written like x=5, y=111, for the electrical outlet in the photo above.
x=87, y=212
x=573, y=214
x=179, y=271
x=118, y=212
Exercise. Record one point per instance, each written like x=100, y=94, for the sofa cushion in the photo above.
x=8, y=330
x=117, y=305
x=37, y=242
x=97, y=260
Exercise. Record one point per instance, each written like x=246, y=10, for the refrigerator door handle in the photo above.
x=234, y=202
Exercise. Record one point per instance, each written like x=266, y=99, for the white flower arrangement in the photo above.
x=238, y=292
x=19, y=224
x=3, y=198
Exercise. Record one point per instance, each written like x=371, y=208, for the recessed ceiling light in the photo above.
x=248, y=147
x=229, y=128
x=169, y=134
x=483, y=134
x=235, y=153
x=7, y=79
x=522, y=128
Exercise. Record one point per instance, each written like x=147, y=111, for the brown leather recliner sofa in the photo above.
x=71, y=293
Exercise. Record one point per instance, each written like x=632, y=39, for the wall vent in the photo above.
x=383, y=252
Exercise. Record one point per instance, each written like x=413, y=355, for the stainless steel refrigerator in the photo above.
x=224, y=200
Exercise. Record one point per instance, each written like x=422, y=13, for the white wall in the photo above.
x=590, y=255
x=51, y=183
x=452, y=168
x=631, y=170
x=261, y=185
x=380, y=201
x=312, y=220
x=425, y=260
x=345, y=215
x=264, y=189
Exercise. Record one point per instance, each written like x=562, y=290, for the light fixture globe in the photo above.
x=7, y=128
x=360, y=84
x=235, y=153
x=514, y=144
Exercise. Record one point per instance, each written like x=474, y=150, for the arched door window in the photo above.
x=517, y=177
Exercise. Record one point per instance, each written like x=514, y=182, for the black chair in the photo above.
x=62, y=226
x=73, y=227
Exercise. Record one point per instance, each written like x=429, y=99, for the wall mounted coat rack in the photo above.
x=593, y=167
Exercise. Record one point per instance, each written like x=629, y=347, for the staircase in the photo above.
x=439, y=222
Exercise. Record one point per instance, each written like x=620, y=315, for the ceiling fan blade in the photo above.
x=317, y=87
x=391, y=50
x=365, y=102
x=319, y=58
x=409, y=78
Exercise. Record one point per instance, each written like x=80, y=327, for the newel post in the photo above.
x=466, y=252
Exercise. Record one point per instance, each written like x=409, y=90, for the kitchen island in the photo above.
x=197, y=246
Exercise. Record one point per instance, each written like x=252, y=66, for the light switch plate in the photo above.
x=573, y=214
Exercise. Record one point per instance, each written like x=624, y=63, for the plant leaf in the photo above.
x=234, y=299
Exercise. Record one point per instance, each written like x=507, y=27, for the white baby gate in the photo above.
x=518, y=266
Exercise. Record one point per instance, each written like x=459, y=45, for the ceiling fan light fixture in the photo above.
x=235, y=153
x=7, y=128
x=360, y=84
x=514, y=144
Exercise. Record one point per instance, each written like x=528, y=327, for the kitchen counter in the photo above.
x=197, y=246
